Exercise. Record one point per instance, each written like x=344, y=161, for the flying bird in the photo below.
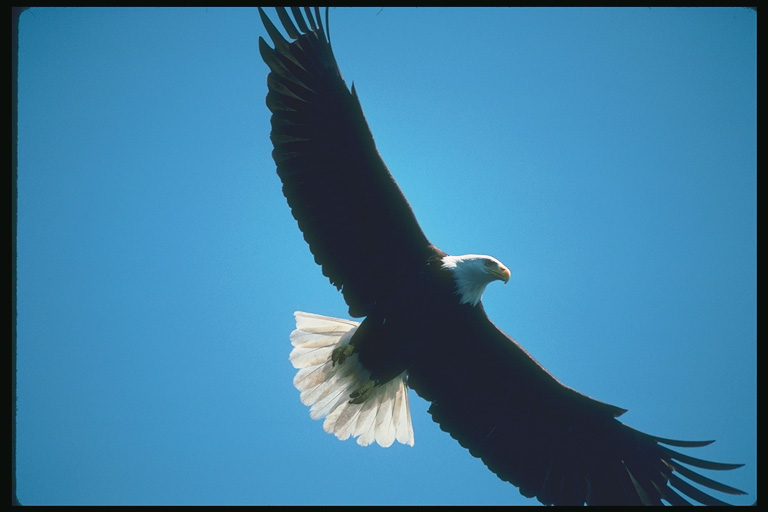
x=423, y=325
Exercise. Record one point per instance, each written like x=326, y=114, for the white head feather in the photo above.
x=472, y=273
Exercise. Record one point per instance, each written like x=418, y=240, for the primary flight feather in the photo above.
x=423, y=322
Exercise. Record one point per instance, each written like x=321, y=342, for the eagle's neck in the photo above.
x=470, y=275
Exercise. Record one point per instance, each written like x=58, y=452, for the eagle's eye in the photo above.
x=488, y=263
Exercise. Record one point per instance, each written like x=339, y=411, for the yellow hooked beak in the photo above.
x=500, y=272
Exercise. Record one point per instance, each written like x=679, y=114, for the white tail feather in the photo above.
x=384, y=416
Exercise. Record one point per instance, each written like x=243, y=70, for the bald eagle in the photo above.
x=423, y=323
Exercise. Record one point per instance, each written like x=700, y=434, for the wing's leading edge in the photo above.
x=357, y=222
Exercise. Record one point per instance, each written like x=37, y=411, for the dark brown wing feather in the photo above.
x=356, y=220
x=552, y=442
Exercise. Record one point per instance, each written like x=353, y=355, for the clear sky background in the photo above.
x=606, y=156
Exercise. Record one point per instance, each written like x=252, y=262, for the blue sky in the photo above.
x=606, y=156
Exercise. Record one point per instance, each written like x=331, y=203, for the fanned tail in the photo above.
x=383, y=418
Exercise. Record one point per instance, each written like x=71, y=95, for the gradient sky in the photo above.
x=606, y=156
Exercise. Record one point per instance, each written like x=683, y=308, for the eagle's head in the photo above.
x=472, y=273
